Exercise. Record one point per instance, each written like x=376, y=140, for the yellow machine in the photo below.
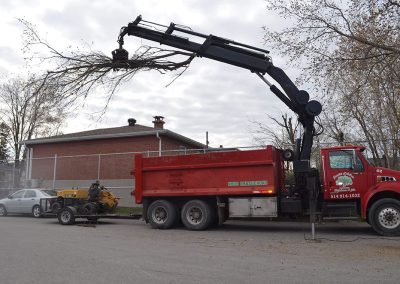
x=108, y=200
x=73, y=193
x=95, y=200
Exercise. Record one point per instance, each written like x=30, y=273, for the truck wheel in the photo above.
x=384, y=217
x=162, y=214
x=197, y=215
x=3, y=211
x=36, y=211
x=66, y=216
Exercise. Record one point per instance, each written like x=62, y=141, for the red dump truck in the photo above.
x=205, y=189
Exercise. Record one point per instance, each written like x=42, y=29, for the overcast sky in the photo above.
x=209, y=96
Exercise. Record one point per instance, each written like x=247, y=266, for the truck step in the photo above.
x=340, y=218
x=341, y=205
x=340, y=210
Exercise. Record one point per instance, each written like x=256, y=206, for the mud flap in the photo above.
x=221, y=211
x=146, y=204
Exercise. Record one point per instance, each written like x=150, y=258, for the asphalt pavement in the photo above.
x=129, y=251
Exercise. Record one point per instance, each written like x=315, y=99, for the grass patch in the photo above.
x=126, y=211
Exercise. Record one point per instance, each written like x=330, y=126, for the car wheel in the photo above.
x=66, y=216
x=36, y=211
x=384, y=217
x=3, y=211
x=162, y=214
x=197, y=215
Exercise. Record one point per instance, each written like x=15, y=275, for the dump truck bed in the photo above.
x=253, y=172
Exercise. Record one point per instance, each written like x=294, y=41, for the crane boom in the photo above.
x=234, y=53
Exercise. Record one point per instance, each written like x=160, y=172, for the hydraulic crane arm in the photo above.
x=238, y=54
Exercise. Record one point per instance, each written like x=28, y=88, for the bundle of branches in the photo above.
x=74, y=73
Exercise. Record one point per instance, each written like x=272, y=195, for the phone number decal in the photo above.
x=345, y=195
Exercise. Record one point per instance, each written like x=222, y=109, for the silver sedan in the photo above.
x=25, y=201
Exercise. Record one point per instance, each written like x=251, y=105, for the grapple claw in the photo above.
x=120, y=55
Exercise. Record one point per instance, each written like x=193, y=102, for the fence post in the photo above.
x=98, y=167
x=13, y=175
x=55, y=171
x=27, y=167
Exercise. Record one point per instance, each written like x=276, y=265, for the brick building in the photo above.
x=77, y=159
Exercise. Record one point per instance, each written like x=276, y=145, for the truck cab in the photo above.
x=353, y=187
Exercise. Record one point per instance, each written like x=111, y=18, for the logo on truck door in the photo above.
x=343, y=179
x=343, y=186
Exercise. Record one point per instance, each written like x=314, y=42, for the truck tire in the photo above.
x=162, y=214
x=3, y=211
x=66, y=216
x=384, y=217
x=197, y=215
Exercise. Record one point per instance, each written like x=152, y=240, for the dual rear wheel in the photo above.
x=195, y=214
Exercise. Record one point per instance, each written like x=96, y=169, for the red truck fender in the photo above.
x=381, y=190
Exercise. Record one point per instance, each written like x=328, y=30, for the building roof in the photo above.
x=116, y=132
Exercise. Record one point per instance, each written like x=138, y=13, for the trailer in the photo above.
x=69, y=215
x=91, y=204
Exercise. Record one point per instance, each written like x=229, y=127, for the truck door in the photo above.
x=345, y=175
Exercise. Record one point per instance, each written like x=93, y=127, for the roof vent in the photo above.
x=131, y=122
x=158, y=122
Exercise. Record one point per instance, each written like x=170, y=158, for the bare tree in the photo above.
x=76, y=73
x=4, y=151
x=281, y=132
x=351, y=51
x=29, y=112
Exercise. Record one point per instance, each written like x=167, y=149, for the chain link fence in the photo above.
x=113, y=170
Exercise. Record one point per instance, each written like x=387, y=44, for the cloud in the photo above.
x=209, y=96
x=9, y=58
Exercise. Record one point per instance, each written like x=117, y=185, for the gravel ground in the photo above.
x=128, y=251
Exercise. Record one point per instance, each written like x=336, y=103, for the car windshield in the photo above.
x=49, y=192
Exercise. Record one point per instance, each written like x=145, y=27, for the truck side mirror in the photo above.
x=10, y=197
